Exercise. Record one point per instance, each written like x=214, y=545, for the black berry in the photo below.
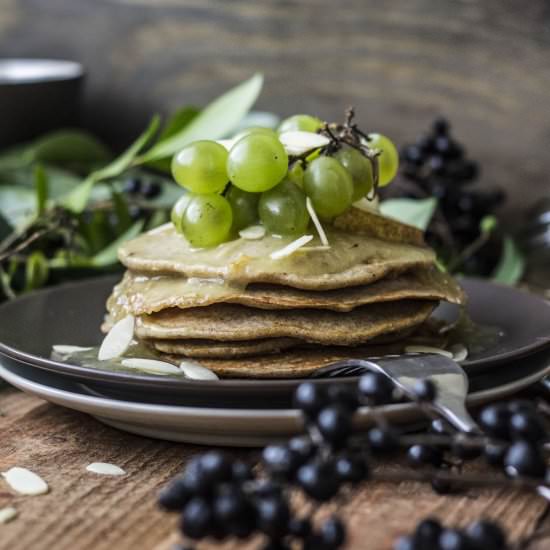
x=376, y=388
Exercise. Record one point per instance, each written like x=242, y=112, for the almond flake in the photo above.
x=368, y=206
x=7, y=514
x=459, y=351
x=67, y=350
x=428, y=349
x=298, y=143
x=118, y=339
x=316, y=222
x=252, y=232
x=105, y=469
x=25, y=482
x=195, y=371
x=290, y=248
x=152, y=366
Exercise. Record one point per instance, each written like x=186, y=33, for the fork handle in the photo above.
x=455, y=412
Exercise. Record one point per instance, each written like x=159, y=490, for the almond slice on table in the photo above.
x=118, y=339
x=106, y=469
x=7, y=514
x=25, y=482
x=290, y=248
x=152, y=366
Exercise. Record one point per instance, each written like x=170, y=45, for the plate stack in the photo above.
x=262, y=308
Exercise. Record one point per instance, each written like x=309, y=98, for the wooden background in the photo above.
x=484, y=63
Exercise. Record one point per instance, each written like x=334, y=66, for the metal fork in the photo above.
x=405, y=370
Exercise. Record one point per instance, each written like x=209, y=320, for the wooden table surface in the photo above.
x=85, y=511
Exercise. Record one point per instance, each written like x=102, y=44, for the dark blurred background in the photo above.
x=484, y=64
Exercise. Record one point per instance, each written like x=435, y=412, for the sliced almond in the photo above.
x=105, y=469
x=459, y=351
x=368, y=205
x=298, y=143
x=152, y=366
x=252, y=232
x=195, y=371
x=67, y=350
x=25, y=482
x=428, y=349
x=290, y=248
x=7, y=514
x=316, y=222
x=118, y=339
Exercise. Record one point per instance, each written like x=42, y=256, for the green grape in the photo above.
x=283, y=209
x=244, y=206
x=257, y=163
x=302, y=123
x=207, y=220
x=388, y=160
x=178, y=210
x=296, y=173
x=329, y=186
x=254, y=130
x=201, y=167
x=360, y=169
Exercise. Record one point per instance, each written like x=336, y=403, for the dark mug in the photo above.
x=36, y=96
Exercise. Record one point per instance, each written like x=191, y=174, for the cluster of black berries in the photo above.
x=517, y=434
x=437, y=166
x=220, y=498
x=431, y=535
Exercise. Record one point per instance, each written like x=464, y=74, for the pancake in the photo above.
x=294, y=363
x=227, y=322
x=353, y=259
x=139, y=294
x=211, y=348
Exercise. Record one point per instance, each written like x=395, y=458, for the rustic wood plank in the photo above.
x=101, y=513
x=485, y=64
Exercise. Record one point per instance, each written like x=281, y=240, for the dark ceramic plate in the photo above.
x=71, y=314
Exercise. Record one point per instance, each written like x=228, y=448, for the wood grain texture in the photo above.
x=483, y=63
x=92, y=512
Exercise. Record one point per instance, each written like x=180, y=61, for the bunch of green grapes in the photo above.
x=254, y=182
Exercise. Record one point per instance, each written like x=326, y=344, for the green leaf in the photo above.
x=215, y=121
x=124, y=161
x=178, y=121
x=17, y=204
x=488, y=224
x=511, y=265
x=77, y=199
x=415, y=212
x=5, y=228
x=175, y=124
x=109, y=255
x=68, y=146
x=59, y=147
x=36, y=271
x=40, y=188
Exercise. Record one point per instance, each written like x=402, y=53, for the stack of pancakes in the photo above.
x=243, y=313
